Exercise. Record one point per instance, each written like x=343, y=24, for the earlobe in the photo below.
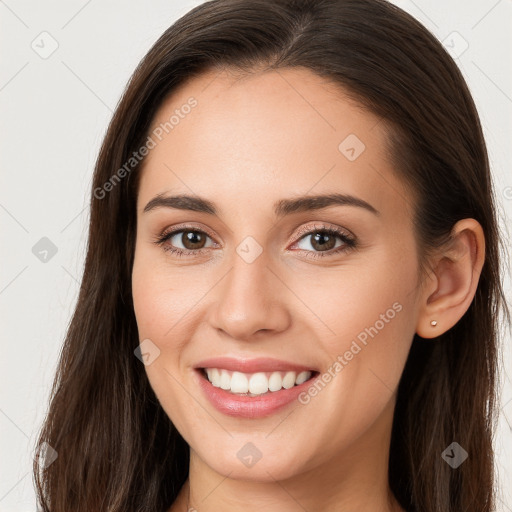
x=455, y=279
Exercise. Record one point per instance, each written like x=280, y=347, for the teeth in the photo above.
x=302, y=377
x=289, y=380
x=225, y=380
x=255, y=383
x=239, y=383
x=258, y=383
x=275, y=383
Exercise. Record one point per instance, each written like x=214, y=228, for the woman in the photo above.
x=291, y=287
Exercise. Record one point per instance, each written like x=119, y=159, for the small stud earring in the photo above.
x=433, y=323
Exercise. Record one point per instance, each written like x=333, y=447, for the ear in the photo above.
x=451, y=286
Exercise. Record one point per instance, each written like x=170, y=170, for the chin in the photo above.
x=269, y=467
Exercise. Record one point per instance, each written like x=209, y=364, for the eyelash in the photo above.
x=349, y=242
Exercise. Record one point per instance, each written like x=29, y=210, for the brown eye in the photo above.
x=192, y=239
x=320, y=242
x=323, y=241
x=184, y=241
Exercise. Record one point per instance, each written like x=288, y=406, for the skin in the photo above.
x=249, y=142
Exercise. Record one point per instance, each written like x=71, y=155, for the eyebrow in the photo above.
x=282, y=207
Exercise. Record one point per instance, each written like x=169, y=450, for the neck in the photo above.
x=356, y=479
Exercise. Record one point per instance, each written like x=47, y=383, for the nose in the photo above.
x=250, y=300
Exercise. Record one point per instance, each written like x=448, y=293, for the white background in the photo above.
x=54, y=112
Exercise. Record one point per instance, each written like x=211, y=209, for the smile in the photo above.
x=255, y=384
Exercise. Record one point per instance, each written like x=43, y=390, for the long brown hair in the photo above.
x=117, y=449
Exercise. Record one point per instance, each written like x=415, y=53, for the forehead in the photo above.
x=258, y=138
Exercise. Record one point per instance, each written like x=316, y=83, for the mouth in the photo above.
x=253, y=388
x=259, y=383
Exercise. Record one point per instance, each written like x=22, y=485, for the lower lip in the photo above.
x=247, y=406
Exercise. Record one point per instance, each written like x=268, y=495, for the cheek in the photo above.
x=162, y=295
x=370, y=317
x=370, y=297
x=154, y=310
x=159, y=318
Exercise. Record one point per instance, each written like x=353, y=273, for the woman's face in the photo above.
x=264, y=280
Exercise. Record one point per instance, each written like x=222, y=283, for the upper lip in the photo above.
x=262, y=364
